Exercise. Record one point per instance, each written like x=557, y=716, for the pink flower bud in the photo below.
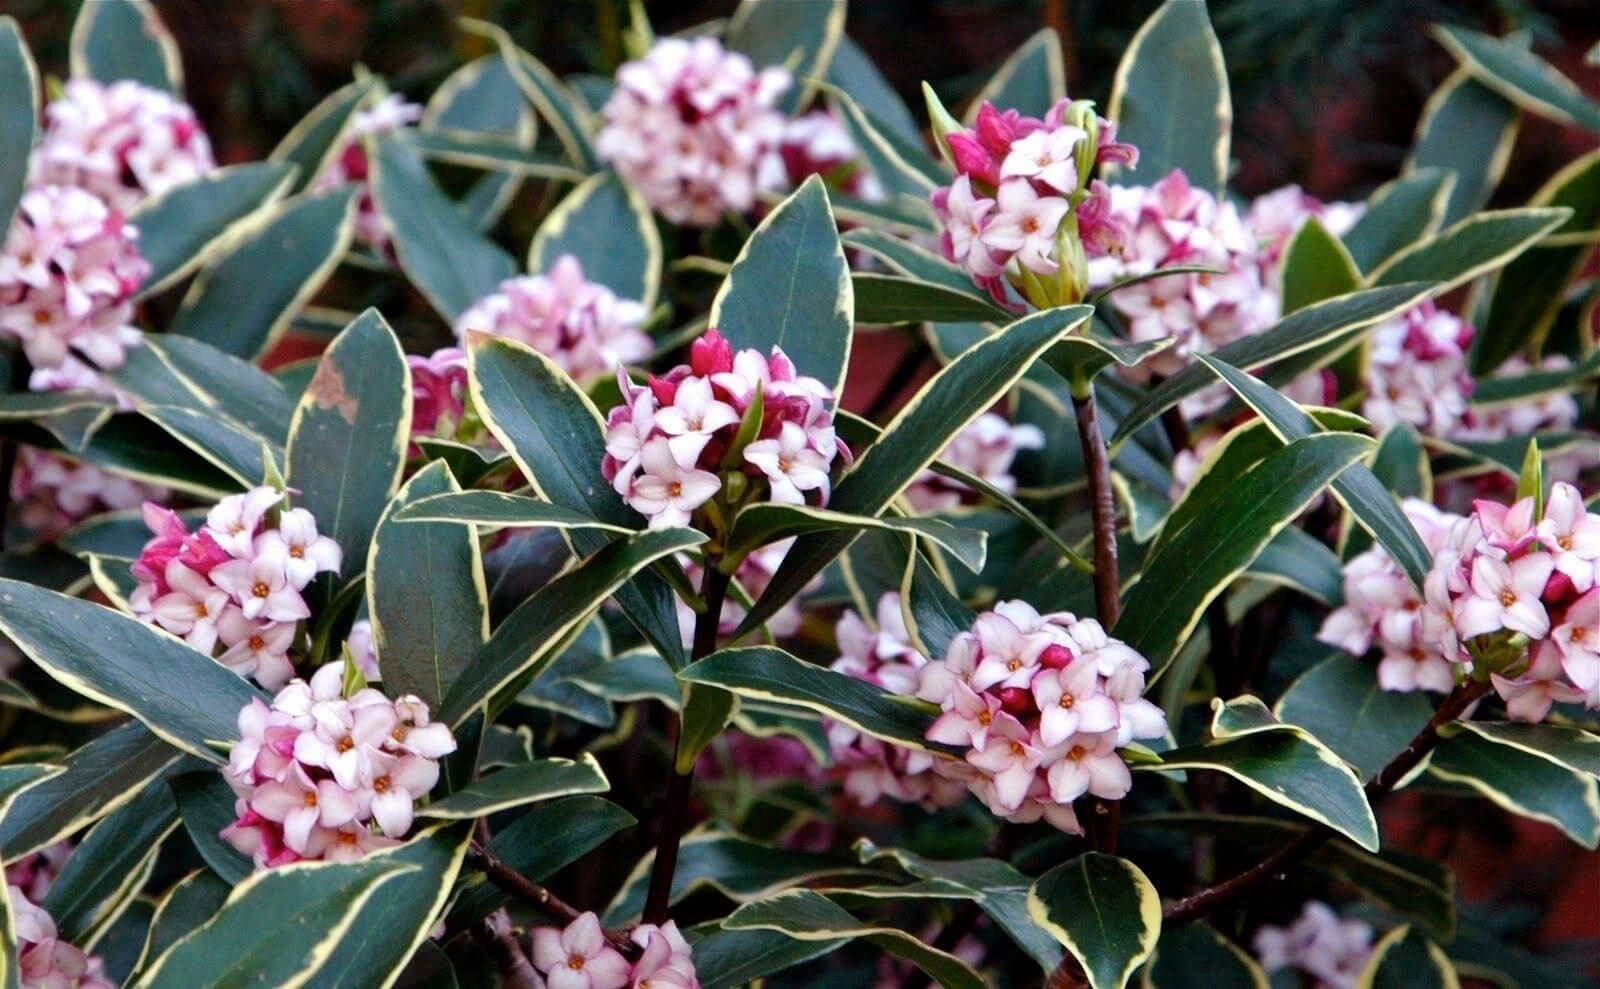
x=710, y=354
x=972, y=159
x=1055, y=657
x=994, y=131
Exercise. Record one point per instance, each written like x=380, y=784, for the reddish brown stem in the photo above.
x=675, y=809
x=1102, y=506
x=535, y=895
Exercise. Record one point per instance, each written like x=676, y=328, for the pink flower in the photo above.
x=1090, y=764
x=234, y=520
x=1505, y=596
x=1024, y=225
x=1572, y=535
x=191, y=608
x=397, y=783
x=790, y=465
x=666, y=492
x=262, y=588
x=968, y=718
x=1070, y=701
x=1010, y=760
x=257, y=648
x=304, y=553
x=578, y=957
x=299, y=805
x=1578, y=639
x=692, y=418
x=665, y=962
x=1048, y=157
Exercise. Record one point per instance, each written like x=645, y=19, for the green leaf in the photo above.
x=1528, y=293
x=605, y=225
x=729, y=959
x=1398, y=215
x=890, y=299
x=347, y=442
x=1103, y=910
x=558, y=439
x=1467, y=129
x=790, y=287
x=278, y=927
x=1284, y=763
x=1340, y=702
x=766, y=673
x=18, y=116
x=1520, y=76
x=110, y=864
x=808, y=916
x=180, y=229
x=1402, y=468
x=1297, y=559
x=1406, y=959
x=1032, y=79
x=425, y=594
x=480, y=98
x=761, y=524
x=469, y=464
x=1188, y=571
x=390, y=927
x=1474, y=246
x=319, y=137
x=799, y=37
x=445, y=257
x=1170, y=97
x=914, y=438
x=224, y=384
x=1313, y=326
x=997, y=887
x=1080, y=357
x=244, y=301
x=206, y=804
x=1316, y=267
x=1513, y=389
x=99, y=777
x=125, y=39
x=851, y=71
x=1530, y=481
x=514, y=786
x=898, y=161
x=499, y=510
x=914, y=261
x=240, y=454
x=735, y=866
x=1196, y=957
x=1564, y=745
x=1522, y=783
x=557, y=104
x=191, y=901
x=1357, y=489
x=184, y=697
x=705, y=712
x=527, y=636
x=540, y=843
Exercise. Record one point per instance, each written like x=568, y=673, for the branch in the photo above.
x=530, y=892
x=1213, y=898
x=714, y=590
x=1102, y=506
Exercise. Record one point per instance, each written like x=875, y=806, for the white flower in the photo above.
x=790, y=465
x=191, y=608
x=666, y=492
x=261, y=588
x=1046, y=156
x=295, y=540
x=1070, y=701
x=1090, y=764
x=578, y=956
x=1024, y=225
x=233, y=520
x=1505, y=596
x=691, y=419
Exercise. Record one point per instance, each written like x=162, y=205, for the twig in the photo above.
x=535, y=895
x=495, y=937
x=714, y=590
x=1212, y=898
x=1102, y=505
x=9, y=447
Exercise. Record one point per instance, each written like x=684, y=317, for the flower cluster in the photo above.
x=316, y=770
x=986, y=448
x=672, y=446
x=580, y=325
x=68, y=273
x=438, y=392
x=1022, y=208
x=1512, y=596
x=1173, y=223
x=816, y=143
x=1277, y=216
x=52, y=493
x=871, y=768
x=235, y=581
x=388, y=114
x=1319, y=943
x=122, y=142
x=1382, y=608
x=578, y=957
x=1417, y=371
x=693, y=127
x=45, y=961
x=1041, y=703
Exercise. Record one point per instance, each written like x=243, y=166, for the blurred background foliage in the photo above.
x=1326, y=92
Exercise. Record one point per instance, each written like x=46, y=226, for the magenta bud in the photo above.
x=1016, y=700
x=1055, y=657
x=710, y=354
